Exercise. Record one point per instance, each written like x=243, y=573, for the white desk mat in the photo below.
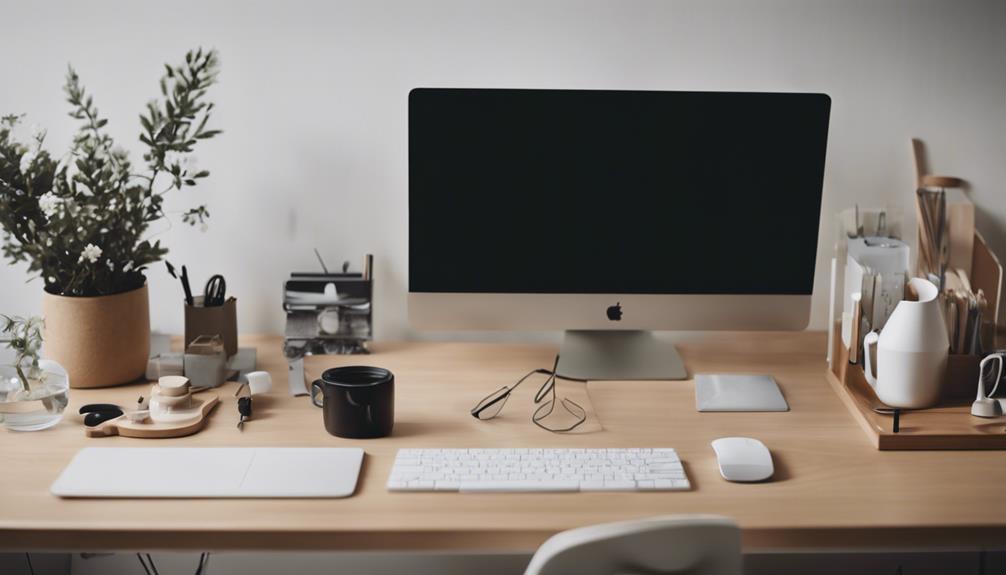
x=211, y=472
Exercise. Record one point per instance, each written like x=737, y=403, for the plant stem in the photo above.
x=153, y=176
x=22, y=376
x=17, y=367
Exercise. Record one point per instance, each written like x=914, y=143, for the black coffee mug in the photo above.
x=358, y=401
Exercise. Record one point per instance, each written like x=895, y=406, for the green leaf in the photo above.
x=208, y=134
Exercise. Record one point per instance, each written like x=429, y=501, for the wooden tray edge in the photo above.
x=884, y=440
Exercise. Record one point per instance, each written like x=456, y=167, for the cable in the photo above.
x=204, y=561
x=152, y=566
x=145, y=568
x=31, y=568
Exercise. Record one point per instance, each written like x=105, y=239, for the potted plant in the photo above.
x=80, y=221
x=33, y=392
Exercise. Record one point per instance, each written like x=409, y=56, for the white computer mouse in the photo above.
x=743, y=459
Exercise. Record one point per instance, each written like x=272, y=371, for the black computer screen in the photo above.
x=595, y=191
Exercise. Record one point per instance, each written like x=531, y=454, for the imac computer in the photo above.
x=609, y=214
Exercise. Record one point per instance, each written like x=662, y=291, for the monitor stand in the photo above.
x=618, y=355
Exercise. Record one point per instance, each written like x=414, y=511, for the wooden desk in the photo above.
x=831, y=489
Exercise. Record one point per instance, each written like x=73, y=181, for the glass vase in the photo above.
x=38, y=407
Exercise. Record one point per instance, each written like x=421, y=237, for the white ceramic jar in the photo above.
x=911, y=351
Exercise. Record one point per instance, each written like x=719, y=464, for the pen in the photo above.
x=185, y=286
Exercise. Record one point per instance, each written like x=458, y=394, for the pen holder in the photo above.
x=221, y=320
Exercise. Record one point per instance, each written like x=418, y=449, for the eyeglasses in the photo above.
x=491, y=405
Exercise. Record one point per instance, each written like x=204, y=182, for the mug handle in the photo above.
x=869, y=341
x=315, y=390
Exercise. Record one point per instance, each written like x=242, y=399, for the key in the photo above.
x=619, y=485
x=507, y=485
x=446, y=485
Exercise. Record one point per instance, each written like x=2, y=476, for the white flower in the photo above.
x=27, y=160
x=90, y=253
x=50, y=203
x=111, y=266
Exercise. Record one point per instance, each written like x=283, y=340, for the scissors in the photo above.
x=215, y=292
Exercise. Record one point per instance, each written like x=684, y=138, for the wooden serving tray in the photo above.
x=150, y=430
x=950, y=425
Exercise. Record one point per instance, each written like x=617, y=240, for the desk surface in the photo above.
x=831, y=487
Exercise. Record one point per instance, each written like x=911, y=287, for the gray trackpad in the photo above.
x=737, y=392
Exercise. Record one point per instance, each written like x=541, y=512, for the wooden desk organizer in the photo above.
x=950, y=424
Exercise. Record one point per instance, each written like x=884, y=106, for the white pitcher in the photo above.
x=911, y=351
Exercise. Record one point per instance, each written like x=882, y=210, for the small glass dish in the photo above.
x=41, y=405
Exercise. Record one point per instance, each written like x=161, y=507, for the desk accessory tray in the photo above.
x=950, y=424
x=150, y=430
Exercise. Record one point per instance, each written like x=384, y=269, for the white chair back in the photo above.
x=692, y=544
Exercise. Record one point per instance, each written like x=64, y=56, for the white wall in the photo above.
x=313, y=100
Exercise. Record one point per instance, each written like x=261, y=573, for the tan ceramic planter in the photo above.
x=101, y=341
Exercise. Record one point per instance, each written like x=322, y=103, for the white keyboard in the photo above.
x=524, y=470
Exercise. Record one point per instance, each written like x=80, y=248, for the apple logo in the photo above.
x=615, y=312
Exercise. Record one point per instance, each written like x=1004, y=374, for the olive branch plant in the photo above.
x=24, y=337
x=81, y=221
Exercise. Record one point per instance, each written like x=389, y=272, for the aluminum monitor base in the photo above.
x=618, y=355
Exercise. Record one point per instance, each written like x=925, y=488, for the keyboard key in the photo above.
x=446, y=485
x=518, y=486
x=620, y=485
